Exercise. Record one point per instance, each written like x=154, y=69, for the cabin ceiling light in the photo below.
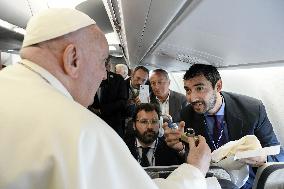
x=112, y=38
x=12, y=27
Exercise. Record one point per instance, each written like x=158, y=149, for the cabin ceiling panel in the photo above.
x=133, y=15
x=223, y=32
x=15, y=12
x=157, y=20
x=18, y=12
x=237, y=32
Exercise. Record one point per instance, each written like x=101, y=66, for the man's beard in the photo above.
x=148, y=137
x=197, y=105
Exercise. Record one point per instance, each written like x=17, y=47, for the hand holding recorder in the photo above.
x=199, y=152
x=172, y=136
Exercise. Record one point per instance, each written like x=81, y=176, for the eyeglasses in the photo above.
x=146, y=122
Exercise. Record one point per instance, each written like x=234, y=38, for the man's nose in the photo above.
x=150, y=126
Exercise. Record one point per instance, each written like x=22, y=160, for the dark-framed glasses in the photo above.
x=146, y=122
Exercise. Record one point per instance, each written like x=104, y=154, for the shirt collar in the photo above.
x=48, y=76
x=167, y=100
x=221, y=111
x=151, y=146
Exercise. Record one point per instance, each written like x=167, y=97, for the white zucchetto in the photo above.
x=53, y=23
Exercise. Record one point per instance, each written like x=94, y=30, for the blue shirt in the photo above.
x=210, y=122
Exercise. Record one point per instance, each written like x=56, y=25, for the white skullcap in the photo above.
x=55, y=22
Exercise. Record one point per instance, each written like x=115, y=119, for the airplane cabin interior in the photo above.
x=243, y=39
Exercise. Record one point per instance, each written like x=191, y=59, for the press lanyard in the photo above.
x=217, y=144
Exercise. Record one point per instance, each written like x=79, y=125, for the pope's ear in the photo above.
x=70, y=61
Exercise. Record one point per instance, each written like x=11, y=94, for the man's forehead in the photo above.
x=194, y=82
x=159, y=76
x=143, y=112
x=140, y=72
x=198, y=78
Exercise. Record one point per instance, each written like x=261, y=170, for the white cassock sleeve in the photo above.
x=185, y=176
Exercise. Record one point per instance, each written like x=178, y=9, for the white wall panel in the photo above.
x=266, y=84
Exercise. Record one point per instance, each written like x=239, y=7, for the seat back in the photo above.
x=160, y=171
x=164, y=171
x=270, y=176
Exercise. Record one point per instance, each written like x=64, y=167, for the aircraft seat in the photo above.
x=270, y=176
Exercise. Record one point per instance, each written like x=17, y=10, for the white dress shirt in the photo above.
x=165, y=106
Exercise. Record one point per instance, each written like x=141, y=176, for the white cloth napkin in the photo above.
x=246, y=147
x=248, y=142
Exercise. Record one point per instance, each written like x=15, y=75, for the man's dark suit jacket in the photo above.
x=164, y=155
x=112, y=101
x=244, y=116
x=177, y=102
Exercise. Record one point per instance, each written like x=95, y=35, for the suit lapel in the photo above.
x=131, y=143
x=234, y=124
x=171, y=105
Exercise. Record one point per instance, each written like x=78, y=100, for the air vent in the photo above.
x=189, y=56
x=189, y=59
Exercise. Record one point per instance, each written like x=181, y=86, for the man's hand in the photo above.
x=172, y=136
x=199, y=155
x=255, y=161
x=137, y=100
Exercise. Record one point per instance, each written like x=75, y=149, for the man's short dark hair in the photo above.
x=162, y=71
x=210, y=73
x=147, y=107
x=141, y=68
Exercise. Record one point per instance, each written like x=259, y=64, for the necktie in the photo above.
x=217, y=132
x=144, y=159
